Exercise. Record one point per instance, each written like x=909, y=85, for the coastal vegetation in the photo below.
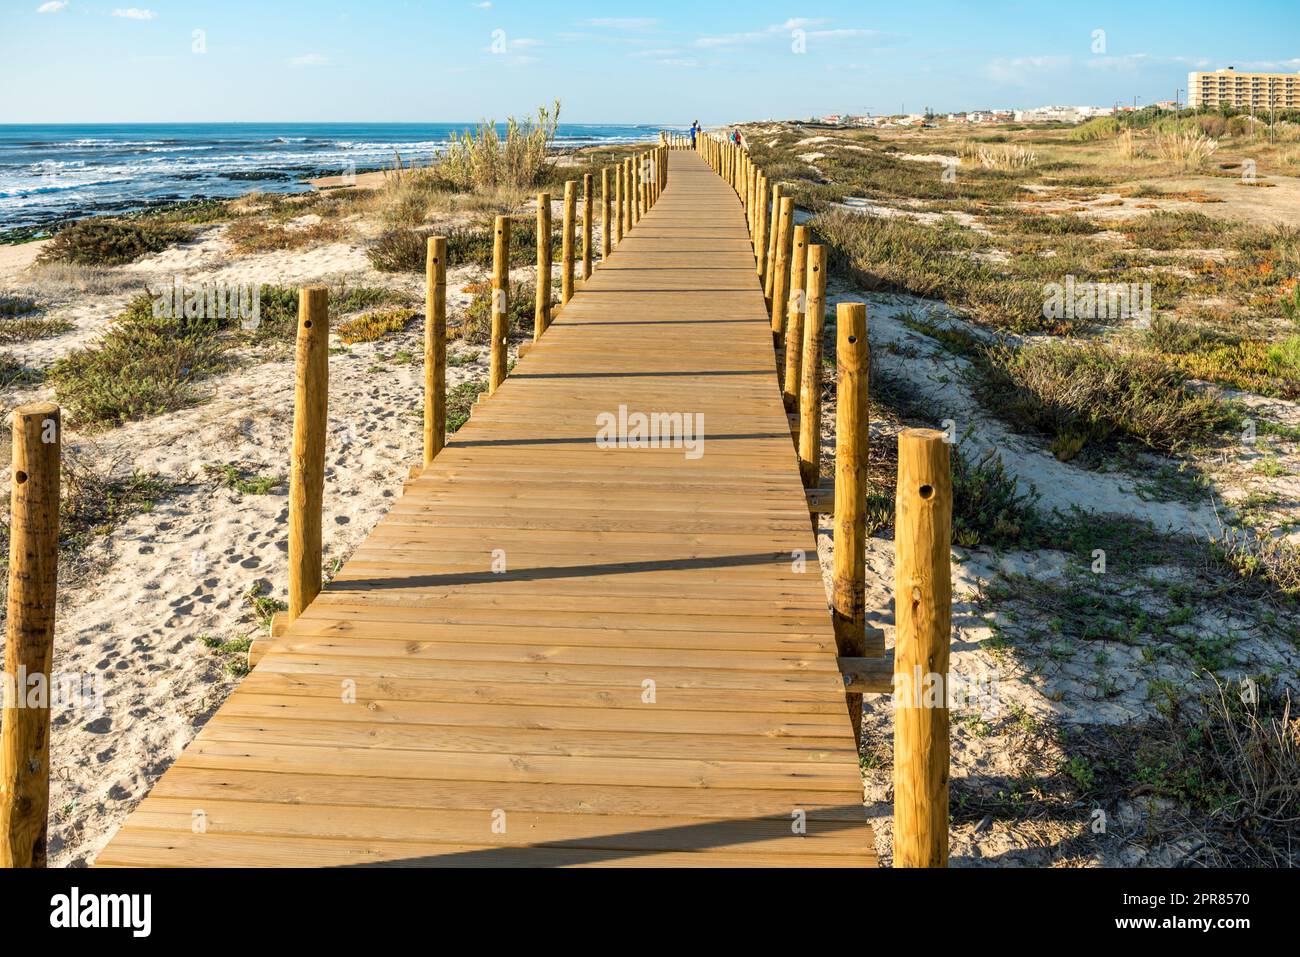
x=112, y=242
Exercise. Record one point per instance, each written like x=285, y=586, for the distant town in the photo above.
x=1225, y=88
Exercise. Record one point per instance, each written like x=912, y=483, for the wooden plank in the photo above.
x=625, y=650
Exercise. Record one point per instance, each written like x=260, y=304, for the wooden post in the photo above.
x=307, y=467
x=604, y=215
x=760, y=242
x=923, y=619
x=435, y=348
x=810, y=382
x=848, y=584
x=781, y=282
x=542, y=308
x=628, y=194
x=567, y=241
x=752, y=187
x=769, y=275
x=794, y=319
x=587, y=213
x=618, y=210
x=645, y=183
x=29, y=634
x=500, y=302
x=636, y=190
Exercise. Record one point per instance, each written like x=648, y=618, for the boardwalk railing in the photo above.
x=794, y=274
x=791, y=269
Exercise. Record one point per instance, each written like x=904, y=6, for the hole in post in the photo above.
x=20, y=477
x=307, y=324
x=927, y=491
x=852, y=339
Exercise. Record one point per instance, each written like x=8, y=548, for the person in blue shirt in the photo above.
x=695, y=129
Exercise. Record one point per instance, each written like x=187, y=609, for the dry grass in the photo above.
x=999, y=157
x=65, y=280
x=254, y=235
x=1184, y=149
x=372, y=326
x=483, y=160
x=1273, y=562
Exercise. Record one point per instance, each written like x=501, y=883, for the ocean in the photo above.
x=51, y=173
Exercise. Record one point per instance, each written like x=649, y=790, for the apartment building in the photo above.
x=1245, y=91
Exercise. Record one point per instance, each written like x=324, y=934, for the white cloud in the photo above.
x=54, y=6
x=1019, y=71
x=1267, y=66
x=485, y=5
x=786, y=29
x=795, y=23
x=622, y=23
x=306, y=60
x=525, y=43
x=134, y=13
x=1132, y=61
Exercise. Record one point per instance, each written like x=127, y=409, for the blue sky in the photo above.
x=666, y=61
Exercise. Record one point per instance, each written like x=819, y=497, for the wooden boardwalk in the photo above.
x=555, y=653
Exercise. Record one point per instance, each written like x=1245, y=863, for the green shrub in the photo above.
x=1163, y=230
x=989, y=507
x=1080, y=393
x=472, y=245
x=399, y=250
x=1097, y=128
x=13, y=306
x=933, y=261
x=460, y=402
x=143, y=365
x=520, y=309
x=27, y=328
x=111, y=242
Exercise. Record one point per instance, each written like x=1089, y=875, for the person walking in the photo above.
x=695, y=130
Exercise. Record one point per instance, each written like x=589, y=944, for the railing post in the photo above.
x=587, y=224
x=753, y=200
x=627, y=195
x=29, y=634
x=636, y=190
x=923, y=619
x=567, y=241
x=852, y=423
x=794, y=319
x=769, y=274
x=810, y=382
x=604, y=215
x=643, y=183
x=542, y=308
x=760, y=241
x=618, y=208
x=307, y=467
x=435, y=348
x=500, y=302
x=781, y=282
